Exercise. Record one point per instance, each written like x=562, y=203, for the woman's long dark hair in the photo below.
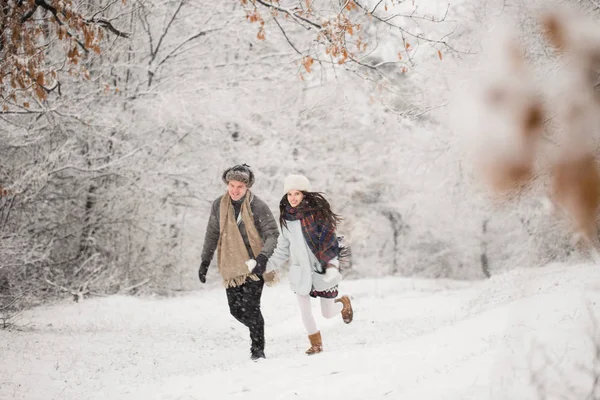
x=313, y=202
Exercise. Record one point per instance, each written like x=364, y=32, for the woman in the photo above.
x=309, y=241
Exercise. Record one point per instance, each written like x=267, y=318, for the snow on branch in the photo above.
x=344, y=33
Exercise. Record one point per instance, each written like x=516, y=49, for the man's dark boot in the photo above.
x=255, y=354
x=257, y=338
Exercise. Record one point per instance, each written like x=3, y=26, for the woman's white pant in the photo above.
x=329, y=309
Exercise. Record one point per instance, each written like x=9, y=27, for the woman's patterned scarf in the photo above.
x=319, y=234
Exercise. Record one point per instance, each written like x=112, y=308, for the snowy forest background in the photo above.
x=107, y=182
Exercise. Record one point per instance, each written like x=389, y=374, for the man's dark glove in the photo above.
x=203, y=270
x=261, y=264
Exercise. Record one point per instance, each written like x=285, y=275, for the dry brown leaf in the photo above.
x=261, y=34
x=308, y=62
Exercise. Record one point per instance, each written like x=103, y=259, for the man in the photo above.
x=243, y=230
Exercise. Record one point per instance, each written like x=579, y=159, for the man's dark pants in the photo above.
x=244, y=305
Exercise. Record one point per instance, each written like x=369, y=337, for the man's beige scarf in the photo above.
x=232, y=253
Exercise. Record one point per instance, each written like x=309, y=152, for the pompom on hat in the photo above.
x=296, y=182
x=241, y=173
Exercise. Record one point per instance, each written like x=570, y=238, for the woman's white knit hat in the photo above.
x=296, y=182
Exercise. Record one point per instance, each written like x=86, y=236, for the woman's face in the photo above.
x=295, y=197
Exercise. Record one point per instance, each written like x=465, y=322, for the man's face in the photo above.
x=236, y=190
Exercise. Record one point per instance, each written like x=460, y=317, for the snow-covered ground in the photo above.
x=514, y=336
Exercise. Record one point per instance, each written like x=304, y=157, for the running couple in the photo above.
x=250, y=250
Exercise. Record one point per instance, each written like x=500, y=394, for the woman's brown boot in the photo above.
x=347, y=313
x=316, y=344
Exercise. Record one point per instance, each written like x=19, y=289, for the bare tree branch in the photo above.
x=108, y=25
x=166, y=31
x=188, y=40
x=286, y=36
x=98, y=169
x=137, y=285
x=294, y=14
x=386, y=20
